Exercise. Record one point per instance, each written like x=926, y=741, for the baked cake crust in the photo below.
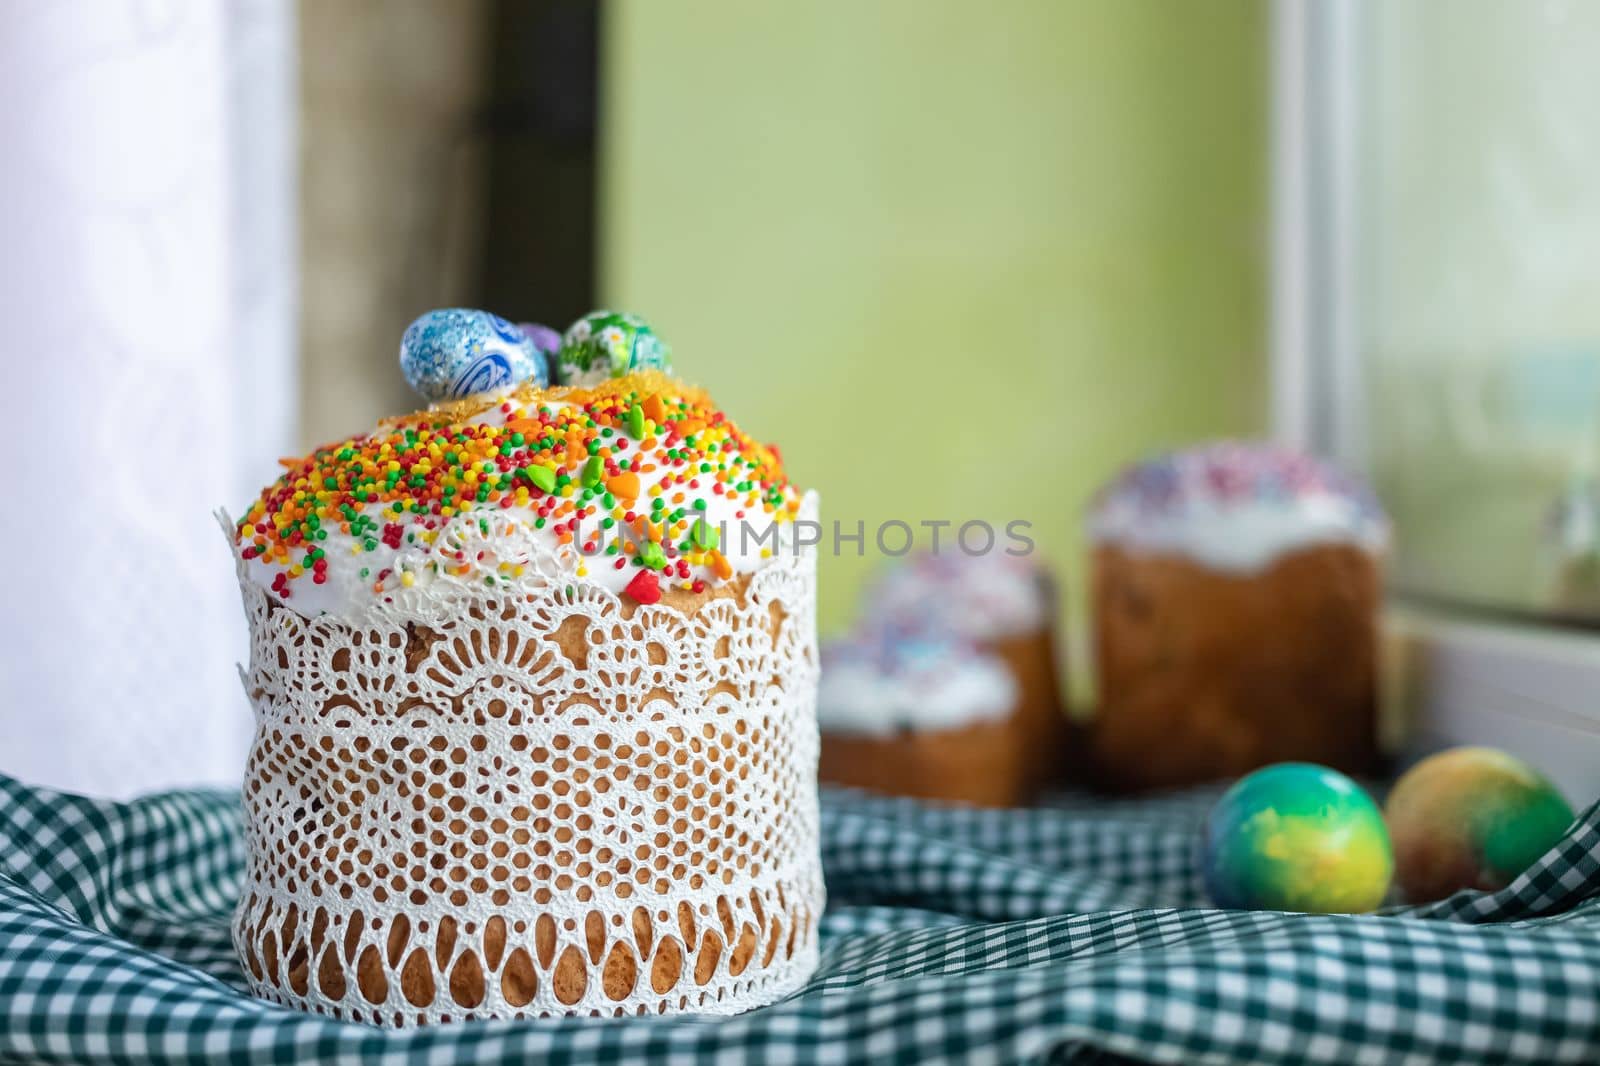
x=1207, y=674
x=1040, y=717
x=983, y=764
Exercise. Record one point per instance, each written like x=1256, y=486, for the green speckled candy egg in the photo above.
x=1471, y=818
x=609, y=344
x=1297, y=837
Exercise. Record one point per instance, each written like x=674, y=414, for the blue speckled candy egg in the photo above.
x=608, y=344
x=1297, y=837
x=456, y=352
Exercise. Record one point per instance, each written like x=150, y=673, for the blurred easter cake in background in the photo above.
x=1002, y=603
x=1235, y=594
x=922, y=713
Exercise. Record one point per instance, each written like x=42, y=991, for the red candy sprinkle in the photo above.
x=644, y=588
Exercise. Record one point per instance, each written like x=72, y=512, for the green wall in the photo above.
x=959, y=259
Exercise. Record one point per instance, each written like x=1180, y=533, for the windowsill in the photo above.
x=1532, y=690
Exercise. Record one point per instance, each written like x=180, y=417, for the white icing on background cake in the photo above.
x=978, y=597
x=1236, y=507
x=878, y=685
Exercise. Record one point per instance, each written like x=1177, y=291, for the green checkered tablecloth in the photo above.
x=1069, y=934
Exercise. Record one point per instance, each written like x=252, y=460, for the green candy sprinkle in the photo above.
x=636, y=422
x=704, y=535
x=594, y=471
x=541, y=477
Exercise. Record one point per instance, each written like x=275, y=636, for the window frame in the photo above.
x=1523, y=684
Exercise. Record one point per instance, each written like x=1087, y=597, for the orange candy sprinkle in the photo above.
x=624, y=486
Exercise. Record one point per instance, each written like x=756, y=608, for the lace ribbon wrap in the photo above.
x=534, y=803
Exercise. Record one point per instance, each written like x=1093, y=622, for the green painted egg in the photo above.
x=1470, y=818
x=608, y=344
x=1297, y=837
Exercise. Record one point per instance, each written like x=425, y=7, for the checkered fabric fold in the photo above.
x=1074, y=933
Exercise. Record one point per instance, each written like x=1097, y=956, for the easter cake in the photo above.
x=1005, y=605
x=534, y=674
x=923, y=714
x=1235, y=596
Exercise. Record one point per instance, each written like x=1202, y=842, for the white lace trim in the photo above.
x=547, y=802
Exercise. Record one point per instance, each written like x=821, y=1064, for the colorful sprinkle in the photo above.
x=566, y=461
x=644, y=588
x=1229, y=472
x=542, y=477
x=624, y=486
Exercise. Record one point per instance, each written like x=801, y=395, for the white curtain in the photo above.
x=147, y=311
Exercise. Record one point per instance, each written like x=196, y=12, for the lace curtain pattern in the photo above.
x=147, y=286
